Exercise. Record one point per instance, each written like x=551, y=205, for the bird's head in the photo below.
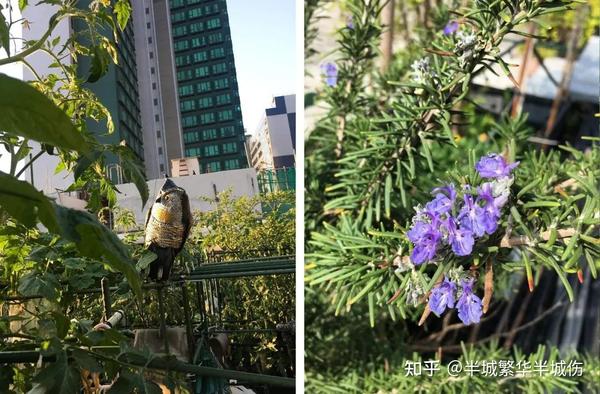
x=170, y=200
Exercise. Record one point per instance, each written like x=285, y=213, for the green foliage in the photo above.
x=247, y=227
x=30, y=114
x=50, y=253
x=387, y=139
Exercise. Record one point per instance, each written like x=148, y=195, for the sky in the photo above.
x=263, y=33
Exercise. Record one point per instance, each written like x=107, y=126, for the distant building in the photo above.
x=159, y=103
x=185, y=167
x=118, y=91
x=273, y=145
x=209, y=102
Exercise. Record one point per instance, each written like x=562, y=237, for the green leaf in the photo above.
x=128, y=382
x=26, y=204
x=85, y=361
x=35, y=284
x=146, y=259
x=57, y=377
x=4, y=33
x=133, y=171
x=28, y=113
x=22, y=4
x=122, y=11
x=94, y=240
x=99, y=63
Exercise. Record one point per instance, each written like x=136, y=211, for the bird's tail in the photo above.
x=160, y=268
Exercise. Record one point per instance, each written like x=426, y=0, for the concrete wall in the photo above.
x=242, y=182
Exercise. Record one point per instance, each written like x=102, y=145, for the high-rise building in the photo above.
x=273, y=145
x=209, y=103
x=159, y=103
x=118, y=91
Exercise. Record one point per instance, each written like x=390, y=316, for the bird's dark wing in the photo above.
x=148, y=214
x=186, y=218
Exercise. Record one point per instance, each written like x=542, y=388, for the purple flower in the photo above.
x=450, y=28
x=439, y=205
x=426, y=237
x=442, y=297
x=461, y=239
x=494, y=166
x=350, y=22
x=330, y=71
x=471, y=216
x=469, y=305
x=491, y=209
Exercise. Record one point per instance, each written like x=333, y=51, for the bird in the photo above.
x=168, y=224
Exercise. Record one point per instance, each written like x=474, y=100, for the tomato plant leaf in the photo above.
x=26, y=204
x=94, y=240
x=26, y=112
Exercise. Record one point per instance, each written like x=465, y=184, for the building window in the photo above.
x=148, y=23
x=162, y=167
x=183, y=60
x=200, y=56
x=209, y=134
x=157, y=133
x=225, y=115
x=176, y=3
x=232, y=164
x=147, y=11
x=192, y=152
x=156, y=118
x=195, y=13
x=189, y=121
x=151, y=70
x=213, y=166
x=198, y=42
x=151, y=55
x=181, y=45
x=217, y=53
x=230, y=147
x=191, y=136
x=205, y=102
x=215, y=38
x=227, y=131
x=222, y=83
x=160, y=150
x=185, y=75
x=149, y=40
x=211, y=150
x=207, y=118
x=186, y=90
x=201, y=71
x=196, y=27
x=204, y=87
x=223, y=99
x=213, y=23
x=187, y=105
x=219, y=68
x=180, y=31
x=155, y=101
x=177, y=16
x=153, y=85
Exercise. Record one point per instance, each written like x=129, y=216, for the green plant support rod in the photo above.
x=167, y=364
